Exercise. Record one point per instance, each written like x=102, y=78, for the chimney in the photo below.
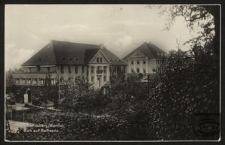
x=101, y=46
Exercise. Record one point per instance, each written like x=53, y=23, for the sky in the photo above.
x=120, y=28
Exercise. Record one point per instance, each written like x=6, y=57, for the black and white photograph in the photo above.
x=112, y=72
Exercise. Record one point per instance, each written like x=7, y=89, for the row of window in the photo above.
x=138, y=62
x=42, y=81
x=99, y=70
x=69, y=69
x=160, y=61
x=33, y=81
x=99, y=59
x=104, y=79
x=138, y=70
x=75, y=59
x=92, y=69
x=39, y=69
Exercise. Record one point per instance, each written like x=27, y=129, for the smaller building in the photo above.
x=145, y=59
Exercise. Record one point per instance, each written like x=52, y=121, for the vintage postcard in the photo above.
x=112, y=72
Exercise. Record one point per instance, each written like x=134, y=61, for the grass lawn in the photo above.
x=28, y=115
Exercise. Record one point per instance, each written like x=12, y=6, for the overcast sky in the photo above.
x=120, y=28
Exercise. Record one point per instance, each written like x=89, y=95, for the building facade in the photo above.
x=64, y=62
x=145, y=59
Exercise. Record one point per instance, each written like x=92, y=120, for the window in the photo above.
x=82, y=69
x=99, y=69
x=62, y=69
x=92, y=78
x=48, y=69
x=143, y=61
x=92, y=69
x=132, y=70
x=34, y=81
x=104, y=78
x=138, y=62
x=76, y=69
x=17, y=81
x=144, y=71
x=138, y=70
x=100, y=60
x=122, y=68
x=69, y=69
x=52, y=81
x=23, y=81
x=28, y=82
x=41, y=82
x=132, y=62
x=105, y=68
x=97, y=59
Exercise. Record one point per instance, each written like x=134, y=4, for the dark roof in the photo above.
x=43, y=57
x=68, y=53
x=113, y=59
x=73, y=53
x=149, y=50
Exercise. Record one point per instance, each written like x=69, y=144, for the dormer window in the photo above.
x=63, y=58
x=70, y=59
x=40, y=59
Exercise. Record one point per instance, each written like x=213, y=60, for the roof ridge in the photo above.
x=75, y=43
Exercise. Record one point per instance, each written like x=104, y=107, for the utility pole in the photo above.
x=148, y=83
x=59, y=88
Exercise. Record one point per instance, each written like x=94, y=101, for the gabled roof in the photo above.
x=68, y=53
x=113, y=59
x=149, y=50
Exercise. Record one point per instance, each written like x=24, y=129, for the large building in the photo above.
x=66, y=61
x=145, y=59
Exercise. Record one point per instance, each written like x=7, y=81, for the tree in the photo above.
x=9, y=80
x=190, y=82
